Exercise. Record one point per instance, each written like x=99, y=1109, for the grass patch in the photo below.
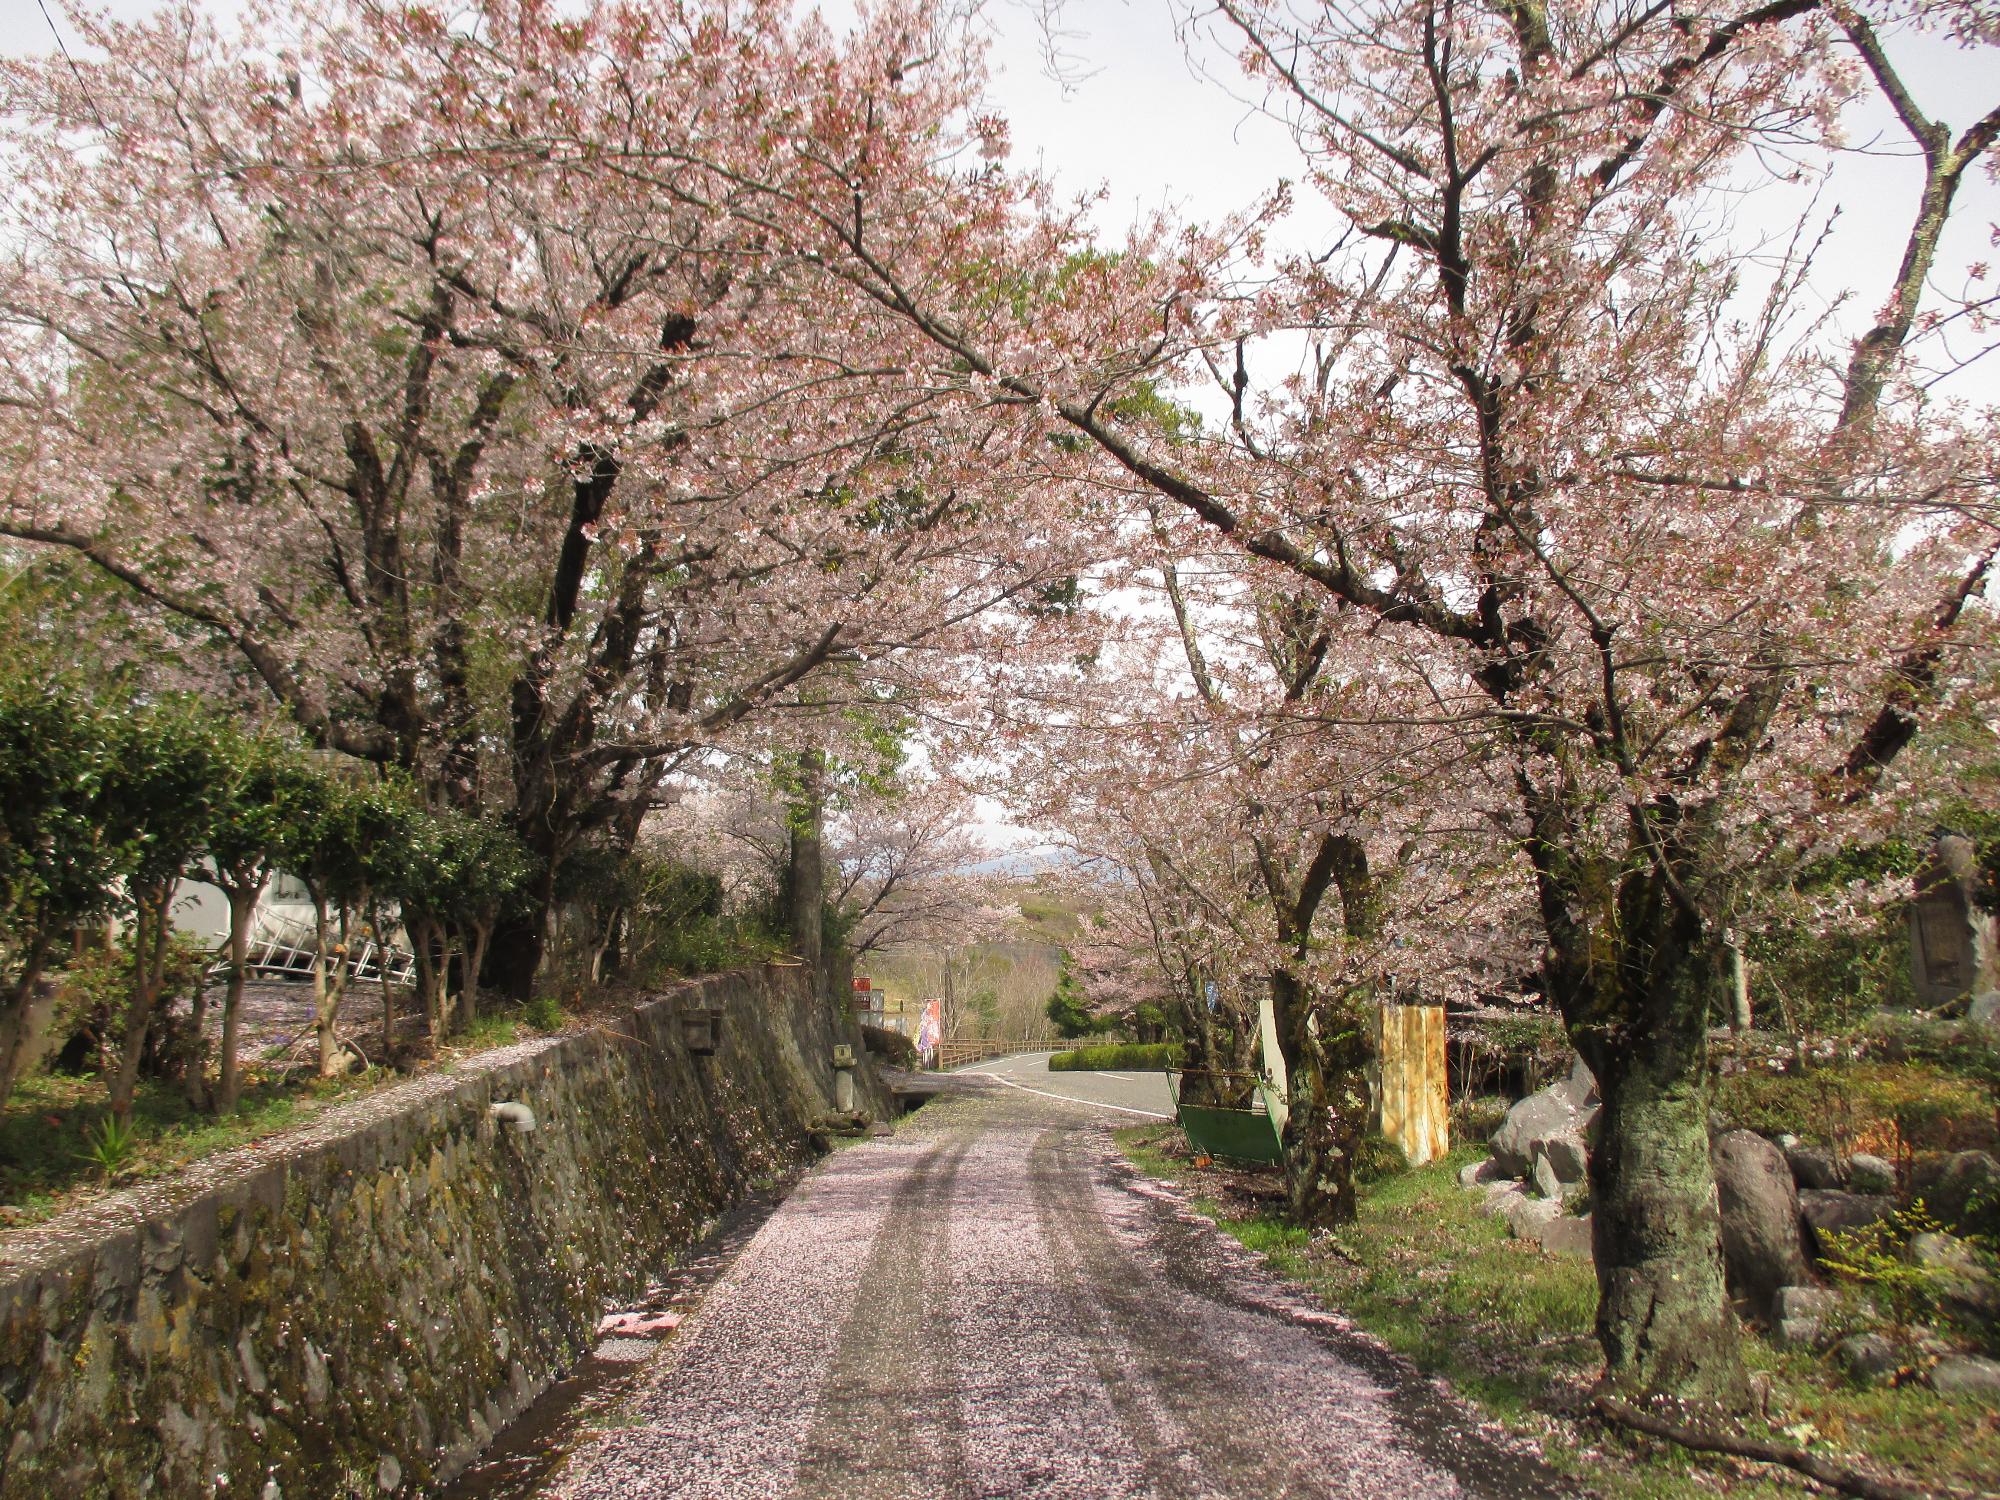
x=1511, y=1329
x=1142, y=1057
x=53, y=1130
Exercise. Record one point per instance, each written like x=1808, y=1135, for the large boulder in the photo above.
x=1827, y=1212
x=1761, y=1246
x=1967, y=1194
x=1553, y=1123
x=1961, y=1281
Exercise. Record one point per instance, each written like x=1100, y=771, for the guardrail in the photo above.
x=957, y=1051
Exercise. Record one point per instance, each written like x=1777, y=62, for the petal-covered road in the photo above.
x=992, y=1305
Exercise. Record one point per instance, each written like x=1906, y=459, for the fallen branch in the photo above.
x=1825, y=1471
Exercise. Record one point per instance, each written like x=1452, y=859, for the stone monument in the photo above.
x=1952, y=942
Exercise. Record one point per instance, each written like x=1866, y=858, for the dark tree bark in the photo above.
x=805, y=869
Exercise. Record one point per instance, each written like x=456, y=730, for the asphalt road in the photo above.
x=992, y=1304
x=1140, y=1096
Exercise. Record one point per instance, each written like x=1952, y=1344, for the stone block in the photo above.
x=1566, y=1235
x=1968, y=1375
x=1813, y=1167
x=1840, y=1213
x=1866, y=1356
x=1870, y=1174
x=1761, y=1246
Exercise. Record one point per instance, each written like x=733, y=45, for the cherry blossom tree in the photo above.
x=491, y=465
x=1709, y=564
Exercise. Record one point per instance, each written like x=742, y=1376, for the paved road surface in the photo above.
x=990, y=1304
x=1141, y=1095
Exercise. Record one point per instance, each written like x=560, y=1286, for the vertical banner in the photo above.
x=930, y=1030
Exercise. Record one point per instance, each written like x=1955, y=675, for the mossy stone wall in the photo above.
x=355, y=1308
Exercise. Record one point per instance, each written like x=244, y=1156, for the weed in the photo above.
x=544, y=1012
x=110, y=1146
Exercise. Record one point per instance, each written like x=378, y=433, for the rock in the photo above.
x=1479, y=1174
x=1761, y=1247
x=1870, y=1174
x=1579, y=1089
x=1798, y=1333
x=389, y=1473
x=1562, y=1113
x=1527, y=1217
x=1839, y=1213
x=1985, y=1010
x=1566, y=1158
x=1501, y=1198
x=1544, y=1178
x=1799, y=1314
x=1532, y=1120
x=1866, y=1356
x=1813, y=1166
x=1968, y=1375
x=1964, y=1285
x=1967, y=1195
x=1803, y=1302
x=1567, y=1235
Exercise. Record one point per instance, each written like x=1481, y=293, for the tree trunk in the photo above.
x=805, y=870
x=1327, y=1109
x=14, y=1019
x=149, y=955
x=1663, y=1314
x=382, y=973
x=326, y=998
x=242, y=909
x=480, y=934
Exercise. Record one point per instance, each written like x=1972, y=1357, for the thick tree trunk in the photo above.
x=1663, y=1315
x=514, y=956
x=805, y=870
x=242, y=909
x=1327, y=1113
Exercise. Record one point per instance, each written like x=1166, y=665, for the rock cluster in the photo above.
x=1779, y=1202
x=1540, y=1165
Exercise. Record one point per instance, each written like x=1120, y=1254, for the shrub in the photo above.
x=1133, y=1055
x=897, y=1048
x=543, y=1012
x=110, y=1146
x=1895, y=1108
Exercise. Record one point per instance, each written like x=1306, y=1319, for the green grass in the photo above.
x=1140, y=1056
x=1511, y=1329
x=51, y=1125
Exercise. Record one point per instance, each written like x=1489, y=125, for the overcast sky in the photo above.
x=1133, y=114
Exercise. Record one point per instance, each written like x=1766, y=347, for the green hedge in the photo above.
x=1131, y=1055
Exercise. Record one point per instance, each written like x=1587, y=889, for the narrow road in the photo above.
x=992, y=1304
x=1140, y=1095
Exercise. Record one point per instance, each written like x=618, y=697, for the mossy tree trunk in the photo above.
x=805, y=867
x=1639, y=981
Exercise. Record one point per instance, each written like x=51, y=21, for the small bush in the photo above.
x=897, y=1048
x=544, y=1013
x=111, y=1145
x=1132, y=1055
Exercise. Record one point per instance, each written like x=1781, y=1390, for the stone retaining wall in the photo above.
x=355, y=1308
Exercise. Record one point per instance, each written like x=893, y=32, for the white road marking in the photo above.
x=1151, y=1114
